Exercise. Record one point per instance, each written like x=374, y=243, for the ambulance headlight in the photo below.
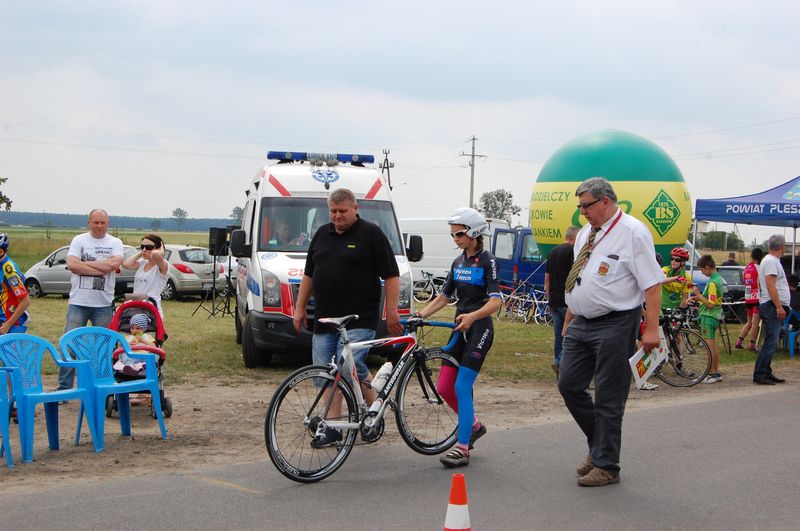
x=272, y=289
x=404, y=297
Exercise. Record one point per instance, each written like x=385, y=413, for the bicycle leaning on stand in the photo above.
x=430, y=288
x=688, y=356
x=524, y=302
x=317, y=398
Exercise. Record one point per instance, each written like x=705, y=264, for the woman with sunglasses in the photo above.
x=473, y=276
x=151, y=269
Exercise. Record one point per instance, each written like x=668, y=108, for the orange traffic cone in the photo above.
x=457, y=518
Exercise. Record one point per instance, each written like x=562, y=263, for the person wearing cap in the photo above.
x=138, y=336
x=474, y=278
x=93, y=259
x=614, y=272
x=13, y=295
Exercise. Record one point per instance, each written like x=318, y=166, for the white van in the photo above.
x=286, y=203
x=440, y=250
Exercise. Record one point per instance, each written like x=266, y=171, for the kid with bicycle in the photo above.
x=711, y=313
x=473, y=277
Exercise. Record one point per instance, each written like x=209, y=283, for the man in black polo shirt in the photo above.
x=346, y=261
x=559, y=262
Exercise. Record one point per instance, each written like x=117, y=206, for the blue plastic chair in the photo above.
x=96, y=345
x=22, y=354
x=790, y=334
x=5, y=416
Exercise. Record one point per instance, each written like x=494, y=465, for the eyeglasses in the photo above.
x=585, y=206
x=459, y=234
x=146, y=246
x=678, y=260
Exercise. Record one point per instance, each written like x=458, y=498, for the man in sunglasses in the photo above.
x=614, y=272
x=93, y=259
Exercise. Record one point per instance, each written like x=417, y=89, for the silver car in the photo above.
x=51, y=276
x=191, y=271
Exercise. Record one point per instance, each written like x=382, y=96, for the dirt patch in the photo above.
x=223, y=424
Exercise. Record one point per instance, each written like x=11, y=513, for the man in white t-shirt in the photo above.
x=93, y=260
x=774, y=298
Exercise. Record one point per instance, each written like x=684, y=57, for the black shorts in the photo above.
x=472, y=350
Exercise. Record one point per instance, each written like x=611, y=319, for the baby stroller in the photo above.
x=121, y=323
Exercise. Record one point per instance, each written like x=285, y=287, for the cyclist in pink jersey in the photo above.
x=751, y=301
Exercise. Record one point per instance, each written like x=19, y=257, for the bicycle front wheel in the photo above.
x=423, y=290
x=688, y=360
x=426, y=422
x=302, y=401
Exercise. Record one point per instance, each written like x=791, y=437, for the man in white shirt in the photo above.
x=773, y=297
x=93, y=260
x=614, y=272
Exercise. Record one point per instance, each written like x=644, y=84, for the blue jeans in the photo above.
x=772, y=329
x=559, y=313
x=78, y=316
x=323, y=347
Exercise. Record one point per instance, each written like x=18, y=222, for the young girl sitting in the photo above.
x=138, y=336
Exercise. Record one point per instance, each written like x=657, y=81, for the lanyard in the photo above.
x=595, y=244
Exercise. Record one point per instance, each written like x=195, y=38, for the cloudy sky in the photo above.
x=147, y=105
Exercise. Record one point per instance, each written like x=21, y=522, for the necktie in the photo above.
x=580, y=260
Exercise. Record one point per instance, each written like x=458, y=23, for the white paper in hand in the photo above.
x=643, y=363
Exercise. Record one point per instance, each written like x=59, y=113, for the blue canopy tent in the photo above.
x=778, y=207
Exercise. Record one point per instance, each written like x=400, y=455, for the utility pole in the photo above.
x=385, y=165
x=472, y=171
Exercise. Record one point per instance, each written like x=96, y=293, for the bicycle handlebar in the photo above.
x=414, y=323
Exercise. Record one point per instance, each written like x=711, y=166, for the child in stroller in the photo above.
x=140, y=322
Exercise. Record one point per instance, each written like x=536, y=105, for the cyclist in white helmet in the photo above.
x=473, y=276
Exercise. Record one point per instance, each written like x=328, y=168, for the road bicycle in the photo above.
x=430, y=288
x=688, y=356
x=524, y=302
x=317, y=398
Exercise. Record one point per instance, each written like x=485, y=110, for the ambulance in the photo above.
x=285, y=204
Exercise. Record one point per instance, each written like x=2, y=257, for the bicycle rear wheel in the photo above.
x=423, y=290
x=688, y=360
x=294, y=413
x=425, y=421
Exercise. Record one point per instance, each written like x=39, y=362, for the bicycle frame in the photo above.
x=371, y=416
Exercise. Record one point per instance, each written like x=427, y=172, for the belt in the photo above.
x=610, y=315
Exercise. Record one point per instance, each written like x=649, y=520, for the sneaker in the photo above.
x=585, y=467
x=647, y=386
x=713, y=377
x=455, y=458
x=329, y=437
x=598, y=477
x=739, y=344
x=475, y=435
x=752, y=347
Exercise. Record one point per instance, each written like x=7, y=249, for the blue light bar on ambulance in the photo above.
x=297, y=156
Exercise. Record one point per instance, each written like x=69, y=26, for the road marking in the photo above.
x=229, y=485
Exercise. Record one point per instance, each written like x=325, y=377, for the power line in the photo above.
x=733, y=128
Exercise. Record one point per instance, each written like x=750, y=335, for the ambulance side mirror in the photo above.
x=414, y=250
x=239, y=249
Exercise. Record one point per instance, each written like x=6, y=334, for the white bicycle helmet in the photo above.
x=3, y=240
x=472, y=219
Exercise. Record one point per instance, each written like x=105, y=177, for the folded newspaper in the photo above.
x=644, y=363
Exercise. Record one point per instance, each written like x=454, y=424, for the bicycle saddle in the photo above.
x=339, y=322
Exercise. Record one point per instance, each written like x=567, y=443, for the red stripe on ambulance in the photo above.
x=374, y=190
x=279, y=187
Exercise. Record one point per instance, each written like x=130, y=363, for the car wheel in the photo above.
x=250, y=354
x=34, y=289
x=238, y=325
x=169, y=293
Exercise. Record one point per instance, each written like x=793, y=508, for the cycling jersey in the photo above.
x=713, y=292
x=473, y=279
x=672, y=292
x=12, y=290
x=751, y=283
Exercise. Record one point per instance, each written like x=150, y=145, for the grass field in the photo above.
x=29, y=245
x=201, y=347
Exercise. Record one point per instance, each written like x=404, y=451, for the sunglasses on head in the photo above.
x=458, y=234
x=147, y=247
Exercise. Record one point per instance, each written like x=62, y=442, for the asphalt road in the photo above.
x=727, y=464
